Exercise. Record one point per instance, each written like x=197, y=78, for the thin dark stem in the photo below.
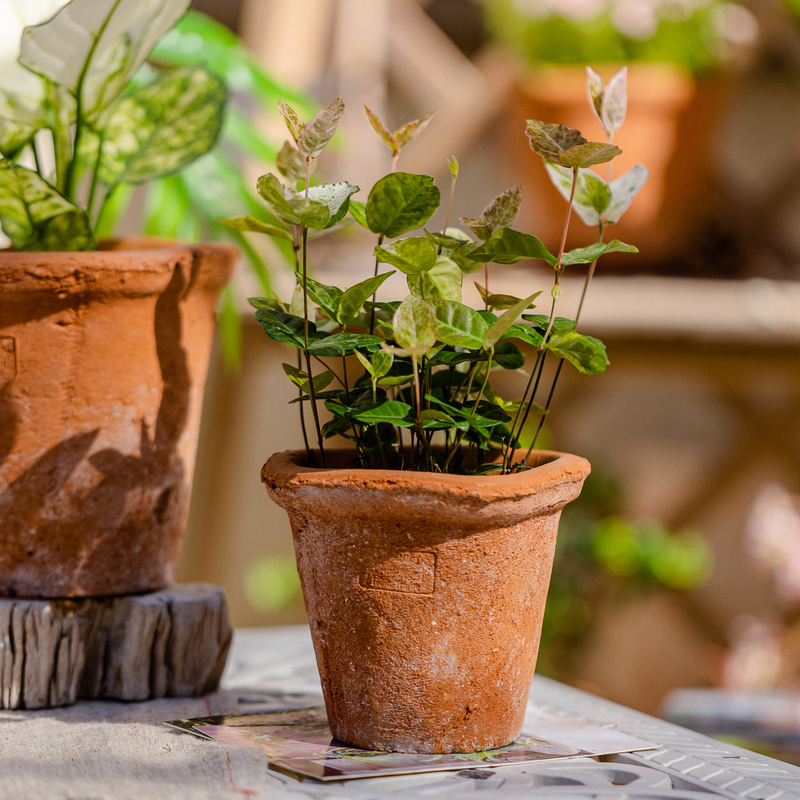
x=95, y=177
x=36, y=160
x=515, y=432
x=302, y=411
x=374, y=294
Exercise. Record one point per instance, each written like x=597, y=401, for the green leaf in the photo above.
x=13, y=135
x=343, y=344
x=35, y=216
x=414, y=325
x=319, y=130
x=585, y=353
x=499, y=300
x=401, y=202
x=459, y=325
x=393, y=412
x=300, y=378
x=160, y=128
x=463, y=257
x=248, y=223
x=585, y=255
x=442, y=281
x=507, y=246
x=449, y=241
x=354, y=298
x=523, y=332
x=335, y=196
x=268, y=303
x=412, y=255
x=284, y=327
x=366, y=363
x=479, y=227
x=93, y=47
x=506, y=320
x=433, y=420
x=291, y=164
x=292, y=120
x=290, y=206
x=381, y=363
x=327, y=297
x=598, y=191
x=542, y=321
x=382, y=131
x=508, y=355
x=623, y=190
x=358, y=211
x=589, y=154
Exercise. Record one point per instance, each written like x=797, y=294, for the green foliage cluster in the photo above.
x=603, y=558
x=425, y=399
x=74, y=86
x=690, y=35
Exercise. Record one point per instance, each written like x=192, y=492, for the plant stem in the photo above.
x=375, y=293
x=62, y=143
x=36, y=160
x=309, y=455
x=509, y=449
x=95, y=177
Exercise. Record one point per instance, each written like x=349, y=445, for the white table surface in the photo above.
x=116, y=751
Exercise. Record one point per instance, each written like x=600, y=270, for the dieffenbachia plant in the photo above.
x=78, y=117
x=423, y=398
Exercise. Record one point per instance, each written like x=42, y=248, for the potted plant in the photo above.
x=677, y=60
x=104, y=346
x=425, y=549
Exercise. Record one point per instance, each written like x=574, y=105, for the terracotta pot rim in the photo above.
x=111, y=247
x=284, y=471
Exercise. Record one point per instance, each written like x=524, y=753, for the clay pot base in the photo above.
x=425, y=595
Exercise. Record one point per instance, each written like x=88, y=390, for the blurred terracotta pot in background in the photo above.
x=103, y=361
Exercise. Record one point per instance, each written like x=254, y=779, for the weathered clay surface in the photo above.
x=425, y=595
x=103, y=359
x=171, y=643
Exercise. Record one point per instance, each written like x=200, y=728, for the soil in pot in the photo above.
x=425, y=595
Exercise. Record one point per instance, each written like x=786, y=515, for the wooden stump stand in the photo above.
x=171, y=643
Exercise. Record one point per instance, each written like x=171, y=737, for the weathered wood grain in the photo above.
x=171, y=643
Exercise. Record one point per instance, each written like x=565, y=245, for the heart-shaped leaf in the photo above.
x=340, y=344
x=319, y=130
x=401, y=202
x=393, y=412
x=610, y=101
x=326, y=297
x=411, y=256
x=441, y=282
x=459, y=325
x=414, y=325
x=585, y=353
x=507, y=246
x=582, y=203
x=549, y=140
x=381, y=362
x=335, y=196
x=35, y=216
x=93, y=47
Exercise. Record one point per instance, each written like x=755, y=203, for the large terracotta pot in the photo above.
x=103, y=360
x=425, y=595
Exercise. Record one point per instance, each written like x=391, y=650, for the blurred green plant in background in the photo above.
x=696, y=35
x=189, y=205
x=603, y=558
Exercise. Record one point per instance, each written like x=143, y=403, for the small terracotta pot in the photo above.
x=425, y=595
x=103, y=360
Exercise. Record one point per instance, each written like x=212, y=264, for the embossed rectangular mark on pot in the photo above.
x=8, y=359
x=390, y=571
